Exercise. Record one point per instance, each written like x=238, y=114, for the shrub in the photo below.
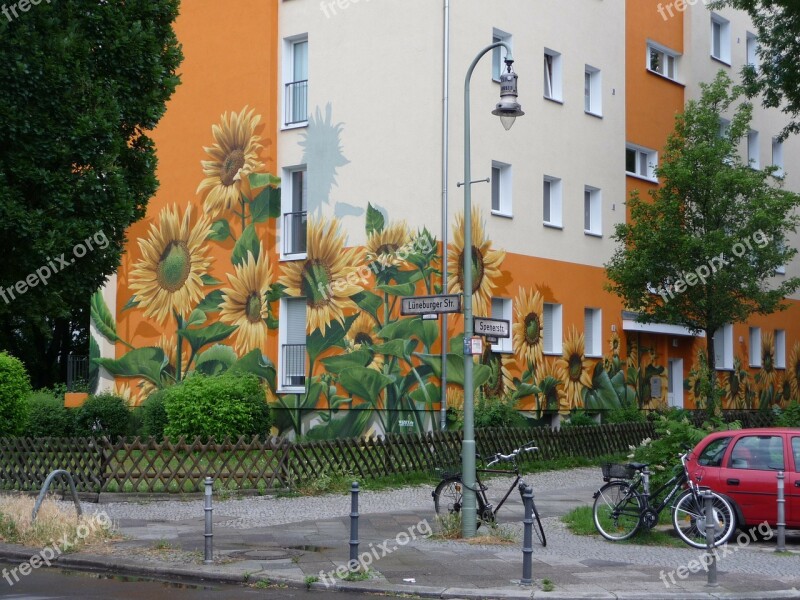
x=219, y=406
x=625, y=414
x=154, y=414
x=579, y=419
x=47, y=416
x=497, y=412
x=790, y=417
x=15, y=387
x=103, y=415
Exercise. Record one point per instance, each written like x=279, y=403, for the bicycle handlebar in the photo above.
x=513, y=455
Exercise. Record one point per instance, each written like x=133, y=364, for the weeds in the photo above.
x=309, y=580
x=547, y=585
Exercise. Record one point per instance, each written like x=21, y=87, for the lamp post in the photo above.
x=508, y=110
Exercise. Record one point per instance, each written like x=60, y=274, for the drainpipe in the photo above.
x=445, y=168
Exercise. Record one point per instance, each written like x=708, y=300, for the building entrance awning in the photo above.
x=629, y=323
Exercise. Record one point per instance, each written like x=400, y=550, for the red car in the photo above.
x=743, y=466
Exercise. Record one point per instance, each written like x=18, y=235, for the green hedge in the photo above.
x=15, y=387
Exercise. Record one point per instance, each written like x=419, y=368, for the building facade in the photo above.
x=357, y=108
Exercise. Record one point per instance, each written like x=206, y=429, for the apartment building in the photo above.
x=358, y=107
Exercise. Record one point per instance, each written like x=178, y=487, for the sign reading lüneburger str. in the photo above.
x=427, y=305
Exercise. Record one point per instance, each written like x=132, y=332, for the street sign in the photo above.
x=492, y=328
x=428, y=305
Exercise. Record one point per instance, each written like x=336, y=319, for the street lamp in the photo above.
x=508, y=110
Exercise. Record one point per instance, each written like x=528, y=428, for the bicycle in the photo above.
x=621, y=508
x=447, y=497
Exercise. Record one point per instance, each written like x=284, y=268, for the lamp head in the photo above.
x=508, y=109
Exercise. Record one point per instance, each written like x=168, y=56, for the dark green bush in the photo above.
x=497, y=412
x=790, y=416
x=219, y=406
x=15, y=387
x=103, y=415
x=625, y=414
x=47, y=416
x=579, y=419
x=154, y=414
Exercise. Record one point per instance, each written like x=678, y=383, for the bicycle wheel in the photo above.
x=537, y=527
x=448, y=498
x=689, y=519
x=617, y=511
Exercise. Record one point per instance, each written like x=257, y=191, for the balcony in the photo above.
x=294, y=233
x=296, y=103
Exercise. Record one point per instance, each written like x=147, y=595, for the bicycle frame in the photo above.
x=481, y=491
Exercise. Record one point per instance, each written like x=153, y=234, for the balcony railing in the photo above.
x=296, y=102
x=294, y=365
x=294, y=232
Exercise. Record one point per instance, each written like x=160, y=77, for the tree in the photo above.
x=83, y=82
x=702, y=251
x=777, y=76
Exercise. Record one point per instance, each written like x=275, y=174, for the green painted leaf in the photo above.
x=316, y=343
x=131, y=303
x=433, y=395
x=399, y=348
x=248, y=242
x=266, y=205
x=352, y=424
x=94, y=352
x=256, y=363
x=375, y=221
x=215, y=360
x=364, y=383
x=369, y=302
x=146, y=362
x=455, y=369
x=220, y=231
x=524, y=390
x=403, y=289
x=211, y=302
x=198, y=317
x=215, y=332
x=209, y=280
x=602, y=395
x=258, y=180
x=358, y=358
x=102, y=318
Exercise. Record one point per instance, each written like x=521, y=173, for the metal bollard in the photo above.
x=209, y=535
x=781, y=547
x=527, y=537
x=353, y=562
x=711, y=523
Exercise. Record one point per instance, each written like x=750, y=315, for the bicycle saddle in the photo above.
x=638, y=466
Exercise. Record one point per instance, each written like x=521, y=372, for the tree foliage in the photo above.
x=777, y=76
x=702, y=251
x=83, y=83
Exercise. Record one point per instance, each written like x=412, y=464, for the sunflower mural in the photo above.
x=793, y=372
x=735, y=385
x=769, y=389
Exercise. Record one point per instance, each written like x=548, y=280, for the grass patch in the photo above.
x=571, y=462
x=448, y=527
x=357, y=575
x=580, y=521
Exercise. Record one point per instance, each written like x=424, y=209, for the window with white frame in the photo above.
x=662, y=60
x=295, y=77
x=752, y=50
x=720, y=39
x=294, y=212
x=753, y=156
x=755, y=346
x=593, y=331
x=552, y=75
x=292, y=339
x=499, y=54
x=777, y=156
x=780, y=348
x=723, y=347
x=551, y=201
x=501, y=309
x=552, y=328
x=641, y=162
x=592, y=211
x=781, y=270
x=501, y=189
x=593, y=91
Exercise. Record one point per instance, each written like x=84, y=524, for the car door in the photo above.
x=792, y=487
x=749, y=476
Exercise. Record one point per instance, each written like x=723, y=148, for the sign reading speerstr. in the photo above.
x=495, y=328
x=427, y=305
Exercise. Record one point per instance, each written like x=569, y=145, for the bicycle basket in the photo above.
x=616, y=471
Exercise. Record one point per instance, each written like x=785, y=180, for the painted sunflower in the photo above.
x=168, y=276
x=382, y=246
x=577, y=369
x=734, y=385
x=245, y=303
x=551, y=383
x=485, y=264
x=767, y=375
x=696, y=378
x=793, y=371
x=528, y=328
x=123, y=390
x=501, y=382
x=784, y=388
x=362, y=335
x=454, y=396
x=234, y=156
x=614, y=344
x=327, y=276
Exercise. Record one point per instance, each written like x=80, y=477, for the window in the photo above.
x=763, y=452
x=592, y=223
x=782, y=247
x=723, y=347
x=780, y=348
x=499, y=54
x=501, y=309
x=592, y=91
x=711, y=456
x=593, y=331
x=641, y=162
x=552, y=75
x=721, y=39
x=292, y=335
x=295, y=76
x=294, y=209
x=552, y=328
x=777, y=157
x=752, y=51
x=753, y=158
x=551, y=201
x=755, y=346
x=501, y=189
x=662, y=60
